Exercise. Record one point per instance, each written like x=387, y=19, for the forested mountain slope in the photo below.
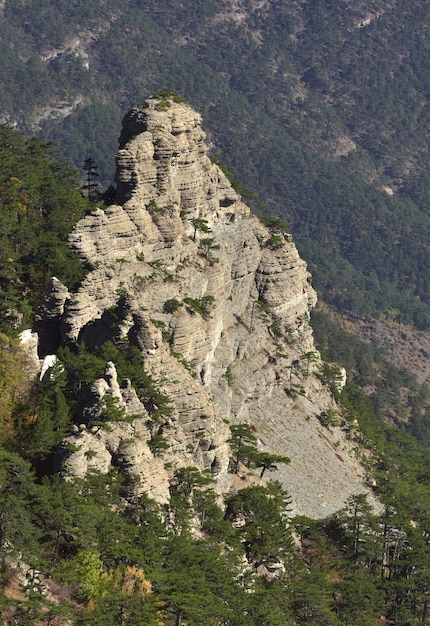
x=319, y=108
x=136, y=396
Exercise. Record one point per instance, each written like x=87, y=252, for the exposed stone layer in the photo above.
x=218, y=306
x=48, y=315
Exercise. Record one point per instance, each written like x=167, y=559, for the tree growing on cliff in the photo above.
x=270, y=462
x=201, y=225
x=207, y=245
x=90, y=187
x=243, y=444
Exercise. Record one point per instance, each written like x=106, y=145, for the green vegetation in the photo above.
x=228, y=375
x=200, y=224
x=39, y=204
x=82, y=368
x=354, y=566
x=393, y=391
x=328, y=418
x=90, y=186
x=275, y=242
x=274, y=223
x=334, y=95
x=202, y=306
x=207, y=245
x=307, y=80
x=158, y=444
x=164, y=95
x=243, y=444
x=172, y=305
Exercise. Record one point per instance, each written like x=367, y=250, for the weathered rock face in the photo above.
x=48, y=316
x=218, y=306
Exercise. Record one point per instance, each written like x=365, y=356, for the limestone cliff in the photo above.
x=218, y=306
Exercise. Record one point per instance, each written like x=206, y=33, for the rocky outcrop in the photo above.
x=48, y=315
x=218, y=306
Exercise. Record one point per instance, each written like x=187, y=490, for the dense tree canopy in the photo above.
x=39, y=204
x=334, y=93
x=337, y=111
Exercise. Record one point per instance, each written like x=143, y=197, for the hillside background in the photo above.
x=321, y=111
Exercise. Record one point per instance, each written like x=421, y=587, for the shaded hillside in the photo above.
x=39, y=203
x=96, y=549
x=319, y=108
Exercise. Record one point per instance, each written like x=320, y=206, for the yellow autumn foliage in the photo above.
x=133, y=579
x=12, y=384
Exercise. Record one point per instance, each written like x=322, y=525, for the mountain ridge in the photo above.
x=135, y=392
x=218, y=306
x=313, y=106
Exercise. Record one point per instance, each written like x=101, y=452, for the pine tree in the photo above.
x=201, y=225
x=90, y=187
x=19, y=534
x=243, y=444
x=265, y=533
x=269, y=462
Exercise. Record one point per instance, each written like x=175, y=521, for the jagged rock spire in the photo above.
x=218, y=306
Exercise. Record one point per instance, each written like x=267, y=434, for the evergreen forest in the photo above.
x=108, y=558
x=320, y=109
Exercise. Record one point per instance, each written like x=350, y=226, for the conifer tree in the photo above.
x=265, y=534
x=243, y=444
x=90, y=187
